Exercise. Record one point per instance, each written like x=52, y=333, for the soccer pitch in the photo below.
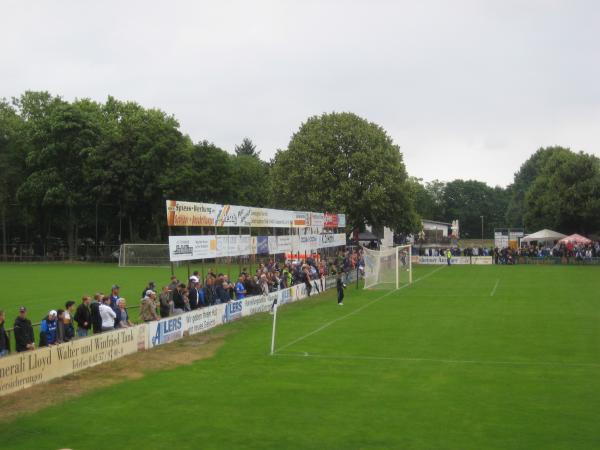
x=468, y=357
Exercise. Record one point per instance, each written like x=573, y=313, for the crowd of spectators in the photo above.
x=570, y=251
x=100, y=313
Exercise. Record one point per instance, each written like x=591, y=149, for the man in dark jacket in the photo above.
x=23, y=331
x=83, y=317
x=178, y=301
x=95, y=314
x=4, y=341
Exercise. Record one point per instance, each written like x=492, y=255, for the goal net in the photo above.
x=131, y=255
x=388, y=268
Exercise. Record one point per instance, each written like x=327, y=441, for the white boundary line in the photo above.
x=322, y=327
x=495, y=287
x=446, y=361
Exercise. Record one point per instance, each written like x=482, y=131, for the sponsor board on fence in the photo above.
x=203, y=319
x=444, y=260
x=233, y=311
x=165, y=330
x=26, y=369
x=482, y=260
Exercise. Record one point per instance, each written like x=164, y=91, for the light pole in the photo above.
x=481, y=231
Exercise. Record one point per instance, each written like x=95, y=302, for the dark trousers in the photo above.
x=340, y=295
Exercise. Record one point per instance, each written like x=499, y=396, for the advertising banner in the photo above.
x=203, y=319
x=331, y=220
x=188, y=214
x=486, y=260
x=341, y=220
x=233, y=311
x=22, y=370
x=443, y=260
x=165, y=330
x=187, y=248
x=284, y=244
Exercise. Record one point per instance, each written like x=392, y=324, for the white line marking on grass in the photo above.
x=444, y=361
x=322, y=327
x=495, y=287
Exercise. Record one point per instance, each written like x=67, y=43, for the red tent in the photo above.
x=575, y=239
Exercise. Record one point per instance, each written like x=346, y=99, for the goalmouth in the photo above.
x=388, y=268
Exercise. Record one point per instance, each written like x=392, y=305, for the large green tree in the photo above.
x=343, y=163
x=12, y=165
x=523, y=180
x=62, y=137
x=468, y=200
x=565, y=194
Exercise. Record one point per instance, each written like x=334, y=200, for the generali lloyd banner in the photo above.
x=192, y=214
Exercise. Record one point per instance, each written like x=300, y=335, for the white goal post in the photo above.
x=388, y=268
x=144, y=255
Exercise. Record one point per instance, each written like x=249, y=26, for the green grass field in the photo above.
x=467, y=357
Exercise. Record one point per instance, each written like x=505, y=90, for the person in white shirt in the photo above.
x=107, y=315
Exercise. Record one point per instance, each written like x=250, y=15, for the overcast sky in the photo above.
x=468, y=89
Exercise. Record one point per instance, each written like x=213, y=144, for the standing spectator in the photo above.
x=48, y=329
x=151, y=287
x=68, y=320
x=83, y=317
x=166, y=304
x=122, y=320
x=240, y=289
x=222, y=293
x=210, y=293
x=174, y=283
x=193, y=293
x=60, y=326
x=107, y=314
x=148, y=309
x=114, y=296
x=306, y=279
x=95, y=313
x=4, y=341
x=178, y=300
x=23, y=331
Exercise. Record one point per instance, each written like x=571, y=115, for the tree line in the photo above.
x=100, y=172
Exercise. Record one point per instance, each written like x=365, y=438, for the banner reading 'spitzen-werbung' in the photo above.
x=191, y=214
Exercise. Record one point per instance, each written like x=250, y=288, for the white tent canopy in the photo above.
x=544, y=236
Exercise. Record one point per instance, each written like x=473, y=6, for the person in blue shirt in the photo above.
x=240, y=289
x=48, y=329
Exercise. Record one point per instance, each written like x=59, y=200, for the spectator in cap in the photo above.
x=48, y=329
x=178, y=300
x=4, y=341
x=83, y=316
x=148, y=308
x=23, y=331
x=107, y=314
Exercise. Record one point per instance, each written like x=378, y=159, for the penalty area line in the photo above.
x=441, y=360
x=495, y=287
x=328, y=324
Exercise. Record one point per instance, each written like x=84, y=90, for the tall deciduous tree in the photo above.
x=523, y=180
x=565, y=195
x=341, y=162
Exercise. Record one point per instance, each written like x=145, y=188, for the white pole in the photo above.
x=273, y=333
x=410, y=264
x=397, y=268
